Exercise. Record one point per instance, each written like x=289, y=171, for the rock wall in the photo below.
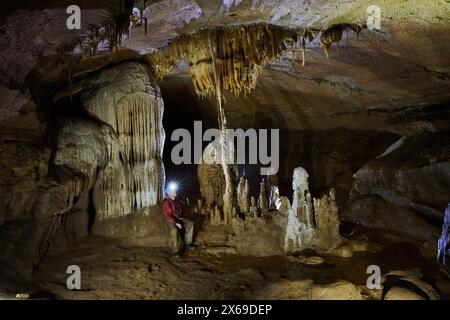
x=37, y=212
x=406, y=188
x=35, y=203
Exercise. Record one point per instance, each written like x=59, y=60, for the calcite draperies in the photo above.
x=240, y=53
x=124, y=98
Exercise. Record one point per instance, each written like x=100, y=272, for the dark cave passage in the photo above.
x=181, y=109
x=91, y=210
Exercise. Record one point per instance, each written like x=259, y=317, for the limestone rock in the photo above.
x=413, y=175
x=124, y=97
x=340, y=290
x=210, y=177
x=374, y=211
x=399, y=293
x=308, y=260
x=302, y=202
x=415, y=278
x=274, y=202
x=327, y=220
x=243, y=196
x=24, y=169
x=312, y=223
x=262, y=199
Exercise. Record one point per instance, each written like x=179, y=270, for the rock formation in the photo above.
x=302, y=202
x=210, y=177
x=312, y=223
x=119, y=151
x=262, y=199
x=404, y=189
x=124, y=98
x=111, y=162
x=274, y=202
x=243, y=196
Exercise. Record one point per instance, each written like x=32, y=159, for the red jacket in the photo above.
x=171, y=209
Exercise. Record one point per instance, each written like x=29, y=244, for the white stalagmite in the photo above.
x=309, y=225
x=274, y=201
x=302, y=201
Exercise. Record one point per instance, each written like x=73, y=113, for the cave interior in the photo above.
x=362, y=179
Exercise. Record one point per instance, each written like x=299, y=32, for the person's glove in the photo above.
x=179, y=226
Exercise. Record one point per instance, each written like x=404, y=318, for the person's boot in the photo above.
x=191, y=247
x=176, y=254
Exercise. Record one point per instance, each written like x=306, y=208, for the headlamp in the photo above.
x=173, y=186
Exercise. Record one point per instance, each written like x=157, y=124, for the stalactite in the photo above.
x=241, y=51
x=334, y=35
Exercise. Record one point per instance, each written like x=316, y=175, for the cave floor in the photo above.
x=112, y=271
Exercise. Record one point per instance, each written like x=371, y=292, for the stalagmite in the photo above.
x=262, y=199
x=253, y=207
x=210, y=177
x=302, y=198
x=298, y=231
x=243, y=196
x=274, y=200
x=215, y=217
x=326, y=215
x=312, y=223
x=199, y=205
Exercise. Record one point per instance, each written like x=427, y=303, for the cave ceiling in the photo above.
x=395, y=79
